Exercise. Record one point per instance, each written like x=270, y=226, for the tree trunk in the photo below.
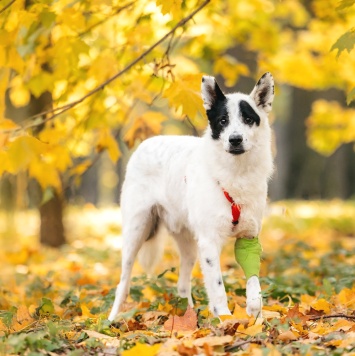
x=51, y=212
x=52, y=228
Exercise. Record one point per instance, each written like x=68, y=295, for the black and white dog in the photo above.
x=189, y=183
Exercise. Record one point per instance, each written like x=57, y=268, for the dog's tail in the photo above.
x=152, y=250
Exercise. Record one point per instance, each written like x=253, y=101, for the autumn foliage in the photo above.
x=120, y=69
x=61, y=308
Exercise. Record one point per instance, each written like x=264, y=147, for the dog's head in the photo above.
x=237, y=120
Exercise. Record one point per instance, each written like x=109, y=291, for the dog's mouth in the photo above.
x=237, y=150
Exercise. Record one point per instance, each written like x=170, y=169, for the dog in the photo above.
x=190, y=183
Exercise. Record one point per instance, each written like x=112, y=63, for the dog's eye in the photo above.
x=223, y=121
x=248, y=120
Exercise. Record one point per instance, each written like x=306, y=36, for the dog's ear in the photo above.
x=263, y=92
x=210, y=91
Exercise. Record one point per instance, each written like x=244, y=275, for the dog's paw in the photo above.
x=254, y=299
x=254, y=307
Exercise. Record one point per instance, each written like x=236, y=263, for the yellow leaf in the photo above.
x=23, y=318
x=226, y=317
x=46, y=174
x=108, y=142
x=275, y=308
x=330, y=125
x=142, y=349
x=322, y=304
x=213, y=340
x=170, y=6
x=144, y=126
x=230, y=69
x=23, y=151
x=171, y=276
x=287, y=336
x=86, y=312
x=251, y=330
x=6, y=124
x=239, y=312
x=59, y=156
x=185, y=94
x=80, y=168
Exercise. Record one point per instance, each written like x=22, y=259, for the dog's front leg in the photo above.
x=254, y=300
x=209, y=253
x=247, y=253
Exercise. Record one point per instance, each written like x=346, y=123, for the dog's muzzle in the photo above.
x=236, y=144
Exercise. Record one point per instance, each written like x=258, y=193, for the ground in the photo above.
x=56, y=302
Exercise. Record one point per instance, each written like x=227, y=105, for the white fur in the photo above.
x=180, y=178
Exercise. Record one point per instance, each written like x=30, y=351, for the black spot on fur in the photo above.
x=217, y=114
x=209, y=262
x=215, y=311
x=219, y=282
x=218, y=118
x=248, y=114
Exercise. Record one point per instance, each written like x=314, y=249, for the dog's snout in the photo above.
x=235, y=140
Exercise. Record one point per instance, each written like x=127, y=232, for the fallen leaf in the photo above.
x=184, y=350
x=251, y=330
x=96, y=335
x=142, y=349
x=187, y=322
x=213, y=340
x=287, y=336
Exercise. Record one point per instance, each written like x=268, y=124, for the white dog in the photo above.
x=180, y=181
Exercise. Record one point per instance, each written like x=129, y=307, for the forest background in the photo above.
x=82, y=83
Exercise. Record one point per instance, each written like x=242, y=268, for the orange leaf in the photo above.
x=287, y=336
x=187, y=322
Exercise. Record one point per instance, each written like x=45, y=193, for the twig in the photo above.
x=352, y=317
x=116, y=12
x=239, y=344
x=7, y=6
x=62, y=109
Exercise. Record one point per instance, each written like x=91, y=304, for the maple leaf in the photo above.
x=187, y=322
x=185, y=94
x=345, y=42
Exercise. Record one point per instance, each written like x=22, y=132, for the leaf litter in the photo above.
x=56, y=302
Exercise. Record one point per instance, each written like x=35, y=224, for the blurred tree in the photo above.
x=120, y=69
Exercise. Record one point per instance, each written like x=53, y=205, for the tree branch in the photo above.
x=7, y=6
x=60, y=110
x=351, y=317
x=116, y=12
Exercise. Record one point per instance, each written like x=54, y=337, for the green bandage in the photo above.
x=247, y=253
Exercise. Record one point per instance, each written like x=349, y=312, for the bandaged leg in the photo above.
x=247, y=253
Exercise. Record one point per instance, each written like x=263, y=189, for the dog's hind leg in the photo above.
x=209, y=253
x=136, y=229
x=188, y=254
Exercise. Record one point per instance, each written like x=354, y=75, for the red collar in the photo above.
x=236, y=208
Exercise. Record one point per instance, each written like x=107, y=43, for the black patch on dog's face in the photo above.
x=218, y=117
x=217, y=114
x=250, y=117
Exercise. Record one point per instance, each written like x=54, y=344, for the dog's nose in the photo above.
x=235, y=140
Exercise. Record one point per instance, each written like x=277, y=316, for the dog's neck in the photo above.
x=228, y=168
